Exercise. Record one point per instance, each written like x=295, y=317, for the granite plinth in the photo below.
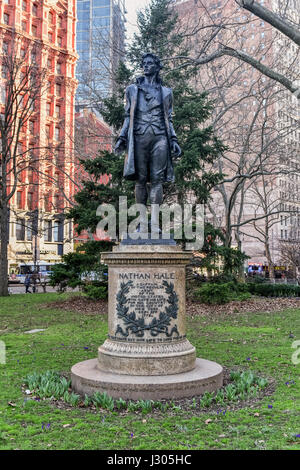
x=87, y=378
x=146, y=312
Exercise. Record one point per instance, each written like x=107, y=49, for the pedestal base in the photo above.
x=87, y=378
x=146, y=359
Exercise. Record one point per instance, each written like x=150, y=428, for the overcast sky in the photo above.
x=132, y=6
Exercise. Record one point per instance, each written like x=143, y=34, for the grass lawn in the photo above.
x=259, y=341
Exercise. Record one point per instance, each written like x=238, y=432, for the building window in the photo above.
x=6, y=18
x=59, y=41
x=59, y=22
x=51, y=17
x=57, y=111
x=48, y=231
x=24, y=5
x=48, y=107
x=31, y=127
x=4, y=71
x=57, y=231
x=34, y=9
x=50, y=37
x=56, y=201
x=47, y=202
x=58, y=67
x=30, y=176
x=23, y=53
x=24, y=26
x=34, y=30
x=29, y=230
x=57, y=131
x=19, y=199
x=58, y=89
x=30, y=201
x=20, y=229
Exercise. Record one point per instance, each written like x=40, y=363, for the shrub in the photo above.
x=274, y=290
x=215, y=293
x=95, y=292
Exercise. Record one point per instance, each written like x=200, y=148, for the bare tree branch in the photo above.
x=284, y=26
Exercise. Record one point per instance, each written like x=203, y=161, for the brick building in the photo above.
x=42, y=33
x=91, y=135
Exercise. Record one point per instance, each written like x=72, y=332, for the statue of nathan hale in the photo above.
x=148, y=133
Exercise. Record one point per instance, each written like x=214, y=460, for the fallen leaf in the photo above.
x=208, y=421
x=66, y=425
x=11, y=404
x=256, y=414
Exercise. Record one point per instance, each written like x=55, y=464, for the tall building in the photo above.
x=91, y=135
x=100, y=45
x=42, y=34
x=256, y=119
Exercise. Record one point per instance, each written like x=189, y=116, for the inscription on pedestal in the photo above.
x=147, y=304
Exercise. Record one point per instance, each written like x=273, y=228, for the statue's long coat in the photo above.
x=127, y=129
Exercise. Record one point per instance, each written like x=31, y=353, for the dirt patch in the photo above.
x=255, y=304
x=81, y=304
x=87, y=306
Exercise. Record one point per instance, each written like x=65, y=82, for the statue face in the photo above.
x=149, y=66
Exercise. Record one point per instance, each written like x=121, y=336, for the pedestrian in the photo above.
x=35, y=278
x=27, y=283
x=43, y=283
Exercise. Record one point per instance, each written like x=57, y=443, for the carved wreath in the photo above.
x=136, y=325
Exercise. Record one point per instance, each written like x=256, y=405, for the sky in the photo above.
x=132, y=6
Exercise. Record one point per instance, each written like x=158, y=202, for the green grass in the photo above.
x=259, y=341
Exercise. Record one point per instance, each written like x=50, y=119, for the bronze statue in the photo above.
x=148, y=134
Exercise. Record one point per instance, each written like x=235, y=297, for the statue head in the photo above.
x=151, y=64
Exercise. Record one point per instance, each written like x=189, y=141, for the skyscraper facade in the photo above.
x=100, y=45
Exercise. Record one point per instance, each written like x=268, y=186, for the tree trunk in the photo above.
x=270, y=262
x=3, y=250
x=241, y=273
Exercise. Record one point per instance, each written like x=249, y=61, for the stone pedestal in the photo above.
x=146, y=354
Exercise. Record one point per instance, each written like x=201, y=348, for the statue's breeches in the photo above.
x=151, y=156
